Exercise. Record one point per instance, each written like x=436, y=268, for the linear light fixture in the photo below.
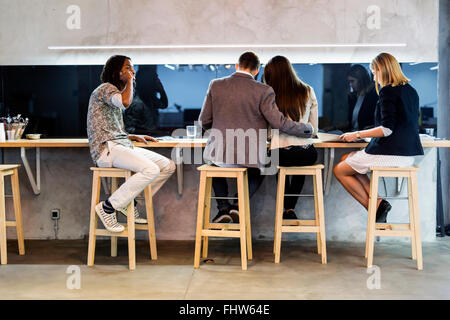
x=434, y=68
x=169, y=66
x=224, y=46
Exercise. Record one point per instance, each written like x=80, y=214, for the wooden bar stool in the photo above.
x=412, y=229
x=10, y=170
x=207, y=229
x=316, y=226
x=130, y=226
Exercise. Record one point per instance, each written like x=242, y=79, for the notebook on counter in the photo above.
x=331, y=137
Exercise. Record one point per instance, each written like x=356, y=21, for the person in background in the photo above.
x=141, y=117
x=138, y=117
x=362, y=99
x=111, y=146
x=395, y=138
x=239, y=103
x=297, y=101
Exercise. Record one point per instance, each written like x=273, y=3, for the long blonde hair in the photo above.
x=391, y=72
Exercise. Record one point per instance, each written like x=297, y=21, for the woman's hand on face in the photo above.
x=348, y=137
x=127, y=76
x=142, y=138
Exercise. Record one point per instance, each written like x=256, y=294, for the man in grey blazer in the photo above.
x=237, y=112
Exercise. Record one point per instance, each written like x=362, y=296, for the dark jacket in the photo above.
x=398, y=110
x=366, y=113
x=238, y=108
x=141, y=117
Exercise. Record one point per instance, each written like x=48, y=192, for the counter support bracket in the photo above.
x=35, y=183
x=179, y=163
x=328, y=174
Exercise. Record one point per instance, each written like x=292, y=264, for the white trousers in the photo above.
x=149, y=167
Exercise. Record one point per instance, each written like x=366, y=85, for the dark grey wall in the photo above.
x=443, y=99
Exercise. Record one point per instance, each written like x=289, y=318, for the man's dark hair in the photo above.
x=249, y=60
x=111, y=71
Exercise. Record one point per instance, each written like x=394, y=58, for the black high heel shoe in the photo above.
x=289, y=215
x=382, y=211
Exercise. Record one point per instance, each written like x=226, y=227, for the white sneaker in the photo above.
x=109, y=220
x=137, y=216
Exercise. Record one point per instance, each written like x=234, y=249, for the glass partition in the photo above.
x=55, y=98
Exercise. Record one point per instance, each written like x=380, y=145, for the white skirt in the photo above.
x=361, y=161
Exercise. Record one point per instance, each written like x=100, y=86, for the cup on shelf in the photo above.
x=429, y=131
x=191, y=132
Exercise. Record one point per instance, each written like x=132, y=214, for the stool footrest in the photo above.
x=313, y=229
x=393, y=233
x=11, y=224
x=221, y=233
x=225, y=226
x=292, y=222
x=136, y=226
x=104, y=232
x=390, y=226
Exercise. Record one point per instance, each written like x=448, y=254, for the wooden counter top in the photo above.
x=170, y=143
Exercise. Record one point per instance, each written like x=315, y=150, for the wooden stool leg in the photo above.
x=242, y=220
x=93, y=217
x=151, y=222
x=279, y=214
x=18, y=210
x=316, y=210
x=3, y=244
x=131, y=233
x=247, y=218
x=200, y=211
x=371, y=216
x=416, y=221
x=321, y=212
x=411, y=219
x=114, y=186
x=207, y=214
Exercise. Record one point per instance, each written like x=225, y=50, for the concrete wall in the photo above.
x=444, y=100
x=34, y=26
x=66, y=185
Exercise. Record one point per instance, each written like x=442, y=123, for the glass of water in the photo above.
x=191, y=132
x=429, y=131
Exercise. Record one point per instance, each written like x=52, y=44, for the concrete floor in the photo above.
x=41, y=273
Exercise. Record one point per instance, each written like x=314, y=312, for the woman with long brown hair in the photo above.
x=395, y=138
x=297, y=101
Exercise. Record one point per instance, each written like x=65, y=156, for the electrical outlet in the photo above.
x=55, y=214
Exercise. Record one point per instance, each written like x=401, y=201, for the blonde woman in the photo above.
x=395, y=138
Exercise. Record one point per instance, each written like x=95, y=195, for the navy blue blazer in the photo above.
x=398, y=110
